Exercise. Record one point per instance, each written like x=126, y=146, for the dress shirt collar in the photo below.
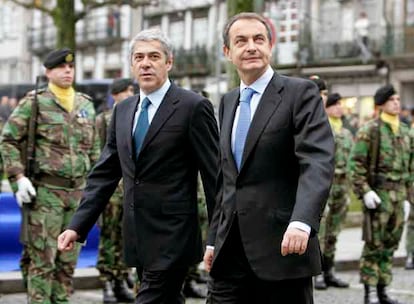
x=261, y=83
x=157, y=96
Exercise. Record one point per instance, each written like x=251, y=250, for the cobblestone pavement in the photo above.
x=401, y=288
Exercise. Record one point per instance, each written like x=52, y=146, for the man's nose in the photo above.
x=251, y=46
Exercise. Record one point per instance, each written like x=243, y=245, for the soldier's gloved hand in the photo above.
x=406, y=210
x=25, y=191
x=371, y=200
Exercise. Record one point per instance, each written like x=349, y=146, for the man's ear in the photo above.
x=226, y=52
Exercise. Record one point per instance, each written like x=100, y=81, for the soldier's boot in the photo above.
x=319, y=282
x=192, y=290
x=370, y=296
x=122, y=294
x=409, y=263
x=383, y=297
x=329, y=276
x=108, y=293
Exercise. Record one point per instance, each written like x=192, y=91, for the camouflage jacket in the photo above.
x=66, y=144
x=343, y=145
x=102, y=123
x=395, y=157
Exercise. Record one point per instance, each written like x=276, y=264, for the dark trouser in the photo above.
x=161, y=287
x=233, y=281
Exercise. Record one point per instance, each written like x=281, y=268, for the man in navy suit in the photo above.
x=276, y=167
x=157, y=142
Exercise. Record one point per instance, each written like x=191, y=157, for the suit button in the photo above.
x=137, y=182
x=131, y=205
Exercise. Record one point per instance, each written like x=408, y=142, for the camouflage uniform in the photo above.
x=409, y=241
x=66, y=147
x=337, y=205
x=194, y=275
x=392, y=184
x=110, y=263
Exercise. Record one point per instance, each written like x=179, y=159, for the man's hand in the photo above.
x=26, y=192
x=371, y=200
x=294, y=241
x=66, y=240
x=208, y=258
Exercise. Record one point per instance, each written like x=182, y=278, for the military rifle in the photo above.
x=29, y=157
x=367, y=231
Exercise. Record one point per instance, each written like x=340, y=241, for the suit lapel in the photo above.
x=130, y=115
x=230, y=104
x=267, y=106
x=165, y=110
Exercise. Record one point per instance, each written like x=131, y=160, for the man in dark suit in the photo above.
x=276, y=154
x=157, y=142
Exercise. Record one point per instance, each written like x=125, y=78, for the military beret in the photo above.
x=120, y=84
x=383, y=94
x=333, y=99
x=57, y=57
x=319, y=82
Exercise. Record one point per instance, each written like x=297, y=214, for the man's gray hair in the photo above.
x=151, y=35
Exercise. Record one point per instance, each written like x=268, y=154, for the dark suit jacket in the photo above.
x=160, y=222
x=285, y=175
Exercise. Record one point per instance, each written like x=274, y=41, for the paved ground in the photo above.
x=348, y=253
x=401, y=288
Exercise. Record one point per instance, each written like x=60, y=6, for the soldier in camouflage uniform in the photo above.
x=409, y=237
x=112, y=269
x=409, y=240
x=337, y=205
x=65, y=149
x=380, y=171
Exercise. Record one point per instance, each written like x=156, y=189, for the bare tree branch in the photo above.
x=34, y=5
x=94, y=4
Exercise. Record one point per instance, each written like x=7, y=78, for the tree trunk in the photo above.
x=64, y=19
x=234, y=7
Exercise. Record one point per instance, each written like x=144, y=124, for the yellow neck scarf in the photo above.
x=392, y=120
x=336, y=124
x=65, y=97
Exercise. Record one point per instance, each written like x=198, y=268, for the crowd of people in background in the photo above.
x=161, y=238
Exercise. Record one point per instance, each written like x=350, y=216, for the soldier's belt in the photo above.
x=59, y=181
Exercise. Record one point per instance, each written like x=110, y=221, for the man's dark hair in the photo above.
x=245, y=15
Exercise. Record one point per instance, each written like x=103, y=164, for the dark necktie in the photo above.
x=243, y=124
x=141, y=127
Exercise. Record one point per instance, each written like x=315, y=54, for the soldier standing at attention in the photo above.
x=112, y=269
x=381, y=176
x=337, y=205
x=65, y=149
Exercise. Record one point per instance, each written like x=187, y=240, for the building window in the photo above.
x=177, y=30
x=112, y=73
x=154, y=21
x=8, y=24
x=200, y=25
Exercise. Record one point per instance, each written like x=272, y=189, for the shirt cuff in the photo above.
x=301, y=226
x=210, y=247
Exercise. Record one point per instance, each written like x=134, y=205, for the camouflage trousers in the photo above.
x=409, y=239
x=110, y=257
x=334, y=215
x=50, y=271
x=387, y=223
